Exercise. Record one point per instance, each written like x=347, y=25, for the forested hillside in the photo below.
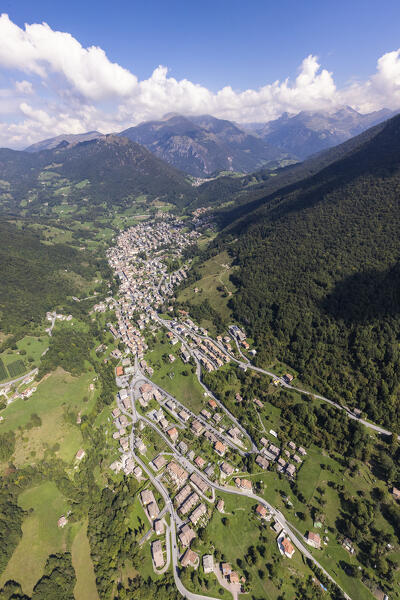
x=110, y=169
x=319, y=277
x=36, y=276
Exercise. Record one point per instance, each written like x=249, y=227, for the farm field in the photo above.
x=214, y=286
x=40, y=535
x=55, y=397
x=177, y=377
x=85, y=588
x=14, y=363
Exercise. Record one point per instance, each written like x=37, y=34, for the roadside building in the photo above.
x=177, y=473
x=261, y=511
x=173, y=433
x=219, y=448
x=186, y=535
x=157, y=554
x=200, y=462
x=159, y=462
x=198, y=512
x=313, y=539
x=189, y=558
x=197, y=427
x=199, y=482
x=208, y=563
x=285, y=546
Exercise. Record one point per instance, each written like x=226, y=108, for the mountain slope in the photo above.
x=319, y=276
x=63, y=139
x=109, y=169
x=309, y=132
x=203, y=145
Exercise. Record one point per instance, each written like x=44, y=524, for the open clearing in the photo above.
x=40, y=535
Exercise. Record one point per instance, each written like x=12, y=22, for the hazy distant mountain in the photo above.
x=64, y=139
x=204, y=145
x=309, y=132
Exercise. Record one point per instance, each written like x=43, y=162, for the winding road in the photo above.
x=278, y=516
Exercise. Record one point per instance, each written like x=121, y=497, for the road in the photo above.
x=278, y=516
x=246, y=364
x=7, y=383
x=209, y=394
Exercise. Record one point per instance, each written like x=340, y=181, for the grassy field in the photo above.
x=40, y=536
x=214, y=285
x=85, y=588
x=171, y=377
x=32, y=348
x=244, y=530
x=59, y=394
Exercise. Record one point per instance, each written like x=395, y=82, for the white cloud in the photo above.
x=68, y=87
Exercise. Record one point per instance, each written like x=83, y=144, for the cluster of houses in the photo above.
x=209, y=353
x=271, y=453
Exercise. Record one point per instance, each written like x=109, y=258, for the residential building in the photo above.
x=285, y=546
x=186, y=535
x=159, y=462
x=157, y=554
x=198, y=512
x=262, y=462
x=313, y=539
x=153, y=510
x=147, y=497
x=197, y=427
x=208, y=563
x=200, y=462
x=183, y=494
x=177, y=473
x=159, y=526
x=189, y=558
x=199, y=482
x=261, y=511
x=219, y=448
x=226, y=469
x=173, y=433
x=220, y=506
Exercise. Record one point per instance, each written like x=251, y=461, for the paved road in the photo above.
x=248, y=365
x=278, y=516
x=172, y=529
x=7, y=383
x=198, y=374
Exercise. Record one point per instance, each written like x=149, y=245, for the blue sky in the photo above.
x=218, y=43
x=95, y=65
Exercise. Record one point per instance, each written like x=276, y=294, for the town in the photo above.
x=204, y=452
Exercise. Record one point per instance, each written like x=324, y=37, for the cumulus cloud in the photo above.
x=68, y=87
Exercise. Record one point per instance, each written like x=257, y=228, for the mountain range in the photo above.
x=108, y=169
x=309, y=132
x=204, y=146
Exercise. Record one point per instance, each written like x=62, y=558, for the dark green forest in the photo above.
x=319, y=277
x=34, y=276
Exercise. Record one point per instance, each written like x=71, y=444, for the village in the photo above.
x=203, y=452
